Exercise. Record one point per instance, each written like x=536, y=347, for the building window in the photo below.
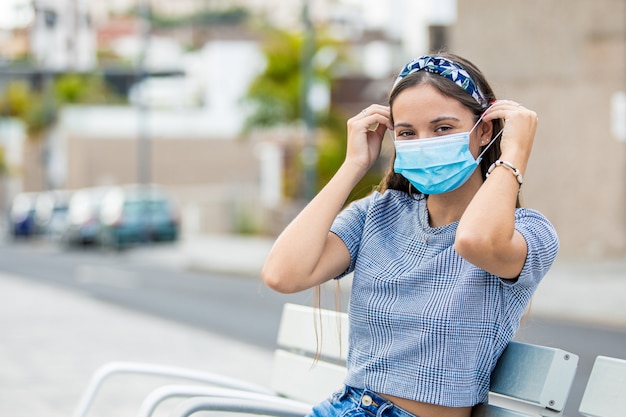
x=50, y=18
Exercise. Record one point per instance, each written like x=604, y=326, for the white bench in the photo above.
x=605, y=393
x=529, y=380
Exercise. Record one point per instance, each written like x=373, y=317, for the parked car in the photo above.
x=51, y=209
x=22, y=215
x=83, y=217
x=134, y=214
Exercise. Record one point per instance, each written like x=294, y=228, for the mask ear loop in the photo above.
x=490, y=142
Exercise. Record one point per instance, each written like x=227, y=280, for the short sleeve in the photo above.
x=543, y=245
x=348, y=226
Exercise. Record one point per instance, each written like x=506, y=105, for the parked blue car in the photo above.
x=134, y=214
x=22, y=215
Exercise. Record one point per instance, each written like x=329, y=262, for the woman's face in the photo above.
x=421, y=112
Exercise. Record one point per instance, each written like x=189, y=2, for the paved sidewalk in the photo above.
x=51, y=342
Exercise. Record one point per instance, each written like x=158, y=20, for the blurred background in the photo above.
x=236, y=110
x=193, y=131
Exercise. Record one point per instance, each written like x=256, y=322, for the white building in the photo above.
x=62, y=35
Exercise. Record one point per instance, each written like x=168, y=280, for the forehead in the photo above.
x=427, y=102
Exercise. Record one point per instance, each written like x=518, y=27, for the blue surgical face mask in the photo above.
x=437, y=165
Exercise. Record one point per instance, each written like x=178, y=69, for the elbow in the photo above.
x=277, y=280
x=471, y=246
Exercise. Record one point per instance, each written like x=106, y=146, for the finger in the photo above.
x=501, y=108
x=374, y=117
x=502, y=105
x=375, y=108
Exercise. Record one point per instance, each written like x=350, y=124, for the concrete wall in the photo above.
x=188, y=162
x=564, y=59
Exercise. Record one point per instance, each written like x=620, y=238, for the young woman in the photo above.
x=445, y=261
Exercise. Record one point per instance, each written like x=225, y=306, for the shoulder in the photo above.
x=378, y=207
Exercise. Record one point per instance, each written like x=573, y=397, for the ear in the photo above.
x=485, y=132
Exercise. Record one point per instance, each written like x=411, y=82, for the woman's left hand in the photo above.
x=520, y=125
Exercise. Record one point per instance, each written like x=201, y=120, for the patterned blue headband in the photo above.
x=446, y=68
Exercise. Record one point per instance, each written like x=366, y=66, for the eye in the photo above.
x=404, y=134
x=443, y=129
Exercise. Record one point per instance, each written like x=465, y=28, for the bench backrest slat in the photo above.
x=539, y=374
x=314, y=331
x=298, y=378
x=605, y=393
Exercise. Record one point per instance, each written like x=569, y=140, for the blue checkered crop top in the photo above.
x=424, y=323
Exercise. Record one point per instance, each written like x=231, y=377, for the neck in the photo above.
x=447, y=208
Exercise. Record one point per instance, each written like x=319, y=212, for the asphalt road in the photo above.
x=240, y=307
x=235, y=306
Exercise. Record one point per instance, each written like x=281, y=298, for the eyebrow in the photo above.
x=432, y=122
x=443, y=118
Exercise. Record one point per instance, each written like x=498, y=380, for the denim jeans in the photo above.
x=355, y=402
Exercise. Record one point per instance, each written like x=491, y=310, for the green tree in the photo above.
x=38, y=108
x=275, y=94
x=16, y=100
x=84, y=89
x=276, y=100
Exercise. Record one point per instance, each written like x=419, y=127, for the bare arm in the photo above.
x=306, y=253
x=486, y=234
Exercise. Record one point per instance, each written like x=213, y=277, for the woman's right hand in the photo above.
x=366, y=131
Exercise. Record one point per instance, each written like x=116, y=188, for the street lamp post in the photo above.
x=143, y=142
x=143, y=145
x=309, y=152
